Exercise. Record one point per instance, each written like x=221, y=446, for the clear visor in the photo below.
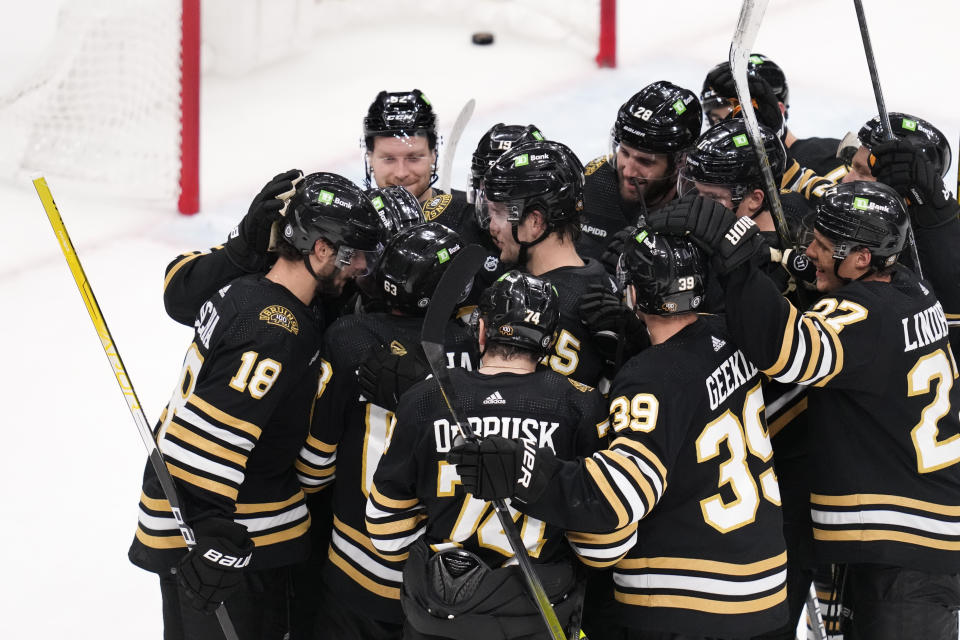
x=360, y=262
x=623, y=280
x=729, y=196
x=502, y=212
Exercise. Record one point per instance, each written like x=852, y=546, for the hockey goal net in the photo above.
x=115, y=99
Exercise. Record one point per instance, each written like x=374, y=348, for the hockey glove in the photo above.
x=717, y=230
x=902, y=166
x=764, y=100
x=797, y=264
x=213, y=569
x=496, y=468
x=389, y=371
x=248, y=244
x=611, y=255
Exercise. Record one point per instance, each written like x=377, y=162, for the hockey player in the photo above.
x=461, y=580
x=768, y=87
x=882, y=404
x=360, y=596
x=689, y=460
x=914, y=163
x=531, y=199
x=237, y=418
x=652, y=130
x=400, y=142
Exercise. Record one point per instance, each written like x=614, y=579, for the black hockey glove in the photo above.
x=389, y=371
x=797, y=264
x=248, y=243
x=765, y=101
x=495, y=468
x=717, y=230
x=602, y=310
x=901, y=165
x=213, y=569
x=611, y=255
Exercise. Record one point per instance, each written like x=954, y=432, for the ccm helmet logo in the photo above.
x=740, y=227
x=224, y=560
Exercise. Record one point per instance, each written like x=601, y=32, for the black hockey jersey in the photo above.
x=690, y=460
x=574, y=353
x=347, y=438
x=417, y=493
x=883, y=412
x=817, y=154
x=231, y=432
x=604, y=211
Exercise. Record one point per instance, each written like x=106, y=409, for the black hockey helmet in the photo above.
x=397, y=208
x=331, y=207
x=724, y=156
x=864, y=214
x=403, y=113
x=412, y=263
x=534, y=175
x=918, y=132
x=498, y=139
x=660, y=118
x=713, y=96
x=667, y=272
x=520, y=310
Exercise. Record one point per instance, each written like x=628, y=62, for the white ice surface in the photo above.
x=71, y=464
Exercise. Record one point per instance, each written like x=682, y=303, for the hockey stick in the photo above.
x=120, y=371
x=751, y=15
x=885, y=127
x=450, y=150
x=452, y=284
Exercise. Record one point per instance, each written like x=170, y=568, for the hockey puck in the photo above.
x=482, y=37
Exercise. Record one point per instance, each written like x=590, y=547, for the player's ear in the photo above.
x=481, y=328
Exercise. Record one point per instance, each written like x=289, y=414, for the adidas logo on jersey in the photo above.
x=494, y=398
x=717, y=343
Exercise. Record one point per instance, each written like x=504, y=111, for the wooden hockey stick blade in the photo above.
x=450, y=150
x=446, y=296
x=120, y=372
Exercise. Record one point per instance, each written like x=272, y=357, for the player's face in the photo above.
x=501, y=232
x=641, y=174
x=407, y=162
x=860, y=167
x=820, y=252
x=717, y=114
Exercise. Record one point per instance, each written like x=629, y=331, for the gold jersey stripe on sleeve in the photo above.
x=593, y=468
x=300, y=529
x=204, y=483
x=398, y=526
x=644, y=451
x=154, y=504
x=602, y=538
x=173, y=270
x=206, y=445
x=320, y=445
x=787, y=346
x=785, y=418
x=223, y=417
x=312, y=471
x=365, y=541
x=365, y=582
x=635, y=474
x=260, y=507
x=391, y=503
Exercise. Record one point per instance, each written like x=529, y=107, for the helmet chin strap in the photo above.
x=525, y=246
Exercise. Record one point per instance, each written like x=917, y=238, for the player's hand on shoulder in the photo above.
x=213, y=569
x=389, y=371
x=249, y=242
x=731, y=240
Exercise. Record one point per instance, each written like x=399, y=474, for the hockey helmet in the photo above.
x=404, y=113
x=667, y=272
x=397, y=208
x=541, y=175
x=714, y=96
x=864, y=214
x=411, y=266
x=917, y=131
x=660, y=118
x=520, y=310
x=498, y=139
x=724, y=156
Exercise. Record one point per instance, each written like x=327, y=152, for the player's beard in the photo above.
x=329, y=285
x=657, y=191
